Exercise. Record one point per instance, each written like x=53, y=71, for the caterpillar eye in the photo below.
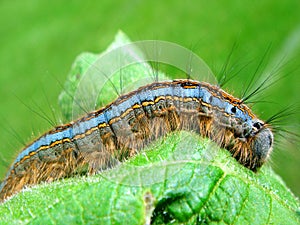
x=270, y=138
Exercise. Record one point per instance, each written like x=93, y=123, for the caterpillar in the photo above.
x=119, y=130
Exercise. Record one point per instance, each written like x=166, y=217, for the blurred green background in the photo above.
x=39, y=42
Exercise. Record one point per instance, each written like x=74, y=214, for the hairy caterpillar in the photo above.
x=125, y=126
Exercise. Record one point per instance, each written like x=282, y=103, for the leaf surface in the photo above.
x=181, y=178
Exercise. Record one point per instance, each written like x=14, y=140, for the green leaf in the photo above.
x=170, y=182
x=181, y=178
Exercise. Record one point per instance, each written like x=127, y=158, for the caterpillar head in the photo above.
x=253, y=142
x=262, y=141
